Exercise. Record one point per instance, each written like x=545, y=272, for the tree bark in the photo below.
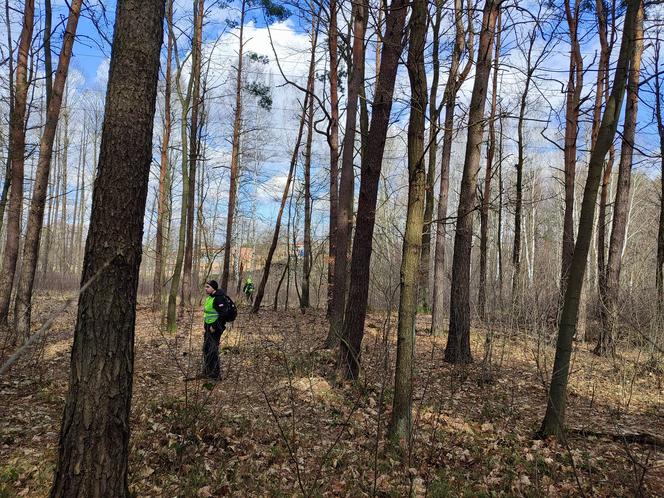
x=572, y=103
x=659, y=116
x=23, y=308
x=457, y=349
x=307, y=259
x=606, y=342
x=94, y=438
x=401, y=423
x=434, y=127
x=347, y=184
x=17, y=160
x=355, y=314
x=199, y=10
x=486, y=193
x=163, y=168
x=554, y=419
x=333, y=142
x=454, y=81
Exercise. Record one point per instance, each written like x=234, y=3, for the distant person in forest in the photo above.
x=214, y=323
x=249, y=290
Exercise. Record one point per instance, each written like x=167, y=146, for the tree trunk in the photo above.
x=10, y=76
x=454, y=81
x=23, y=308
x=333, y=142
x=486, y=193
x=17, y=160
x=94, y=438
x=572, y=103
x=434, y=126
x=457, y=349
x=659, y=270
x=307, y=259
x=355, y=314
x=194, y=147
x=554, y=419
x=401, y=423
x=606, y=342
x=347, y=184
x=163, y=168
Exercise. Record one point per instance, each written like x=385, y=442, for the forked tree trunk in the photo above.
x=17, y=161
x=606, y=342
x=356, y=310
x=554, y=419
x=401, y=423
x=23, y=308
x=94, y=438
x=457, y=349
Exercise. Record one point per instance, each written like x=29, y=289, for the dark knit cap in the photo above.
x=213, y=284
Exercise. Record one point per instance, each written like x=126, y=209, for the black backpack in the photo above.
x=229, y=311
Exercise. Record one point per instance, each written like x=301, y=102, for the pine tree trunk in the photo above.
x=356, y=310
x=401, y=423
x=333, y=142
x=347, y=183
x=17, y=160
x=23, y=308
x=10, y=76
x=659, y=116
x=94, y=438
x=554, y=419
x=457, y=349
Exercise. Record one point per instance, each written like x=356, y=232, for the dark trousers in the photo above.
x=211, y=349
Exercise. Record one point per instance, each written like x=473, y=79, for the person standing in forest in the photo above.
x=248, y=290
x=214, y=312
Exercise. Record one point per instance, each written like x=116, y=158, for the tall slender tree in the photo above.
x=196, y=63
x=356, y=310
x=606, y=341
x=401, y=423
x=463, y=40
x=457, y=349
x=17, y=160
x=94, y=437
x=347, y=183
x=23, y=307
x=163, y=167
x=554, y=419
x=486, y=192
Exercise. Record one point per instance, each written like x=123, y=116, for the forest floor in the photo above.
x=277, y=425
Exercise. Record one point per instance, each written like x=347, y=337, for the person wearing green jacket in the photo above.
x=214, y=326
